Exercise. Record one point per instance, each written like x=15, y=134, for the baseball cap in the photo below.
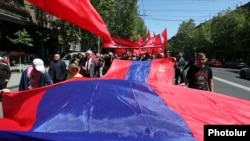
x=38, y=64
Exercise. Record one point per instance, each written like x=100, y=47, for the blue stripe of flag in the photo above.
x=102, y=110
x=139, y=71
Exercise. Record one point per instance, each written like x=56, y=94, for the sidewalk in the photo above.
x=15, y=76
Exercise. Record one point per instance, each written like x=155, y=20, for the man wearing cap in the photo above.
x=35, y=76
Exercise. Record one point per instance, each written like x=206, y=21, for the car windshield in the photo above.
x=66, y=57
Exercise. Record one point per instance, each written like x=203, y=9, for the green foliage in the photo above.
x=44, y=35
x=225, y=36
x=23, y=38
x=184, y=40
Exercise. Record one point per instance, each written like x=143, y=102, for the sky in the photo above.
x=169, y=14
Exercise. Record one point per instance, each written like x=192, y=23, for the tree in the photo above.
x=23, y=38
x=202, y=37
x=184, y=40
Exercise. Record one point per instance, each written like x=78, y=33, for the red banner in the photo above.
x=154, y=42
x=78, y=12
x=16, y=53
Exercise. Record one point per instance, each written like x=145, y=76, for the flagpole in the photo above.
x=20, y=60
x=98, y=44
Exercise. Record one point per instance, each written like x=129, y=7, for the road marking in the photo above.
x=231, y=83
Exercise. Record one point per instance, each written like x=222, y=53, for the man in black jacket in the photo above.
x=57, y=69
x=5, y=72
x=101, y=68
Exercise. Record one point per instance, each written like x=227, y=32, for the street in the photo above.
x=228, y=82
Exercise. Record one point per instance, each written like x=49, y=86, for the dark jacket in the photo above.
x=5, y=72
x=104, y=71
x=58, y=71
x=24, y=83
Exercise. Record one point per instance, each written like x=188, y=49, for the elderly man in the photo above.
x=90, y=65
x=57, y=69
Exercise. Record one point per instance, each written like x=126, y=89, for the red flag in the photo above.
x=149, y=50
x=165, y=39
x=139, y=39
x=153, y=42
x=157, y=50
x=120, y=51
x=78, y=12
x=148, y=35
x=121, y=42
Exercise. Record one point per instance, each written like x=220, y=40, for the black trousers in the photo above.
x=179, y=74
x=3, y=84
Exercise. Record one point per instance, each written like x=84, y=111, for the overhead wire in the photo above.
x=184, y=12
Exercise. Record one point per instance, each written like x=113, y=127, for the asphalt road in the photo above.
x=228, y=82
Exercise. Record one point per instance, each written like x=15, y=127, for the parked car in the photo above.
x=235, y=63
x=67, y=58
x=245, y=72
x=214, y=63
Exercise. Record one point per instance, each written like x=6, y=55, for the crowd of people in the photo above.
x=95, y=65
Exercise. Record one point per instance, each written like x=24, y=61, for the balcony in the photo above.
x=10, y=10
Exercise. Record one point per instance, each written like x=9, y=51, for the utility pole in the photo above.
x=98, y=44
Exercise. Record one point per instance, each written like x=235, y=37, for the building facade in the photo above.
x=14, y=16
